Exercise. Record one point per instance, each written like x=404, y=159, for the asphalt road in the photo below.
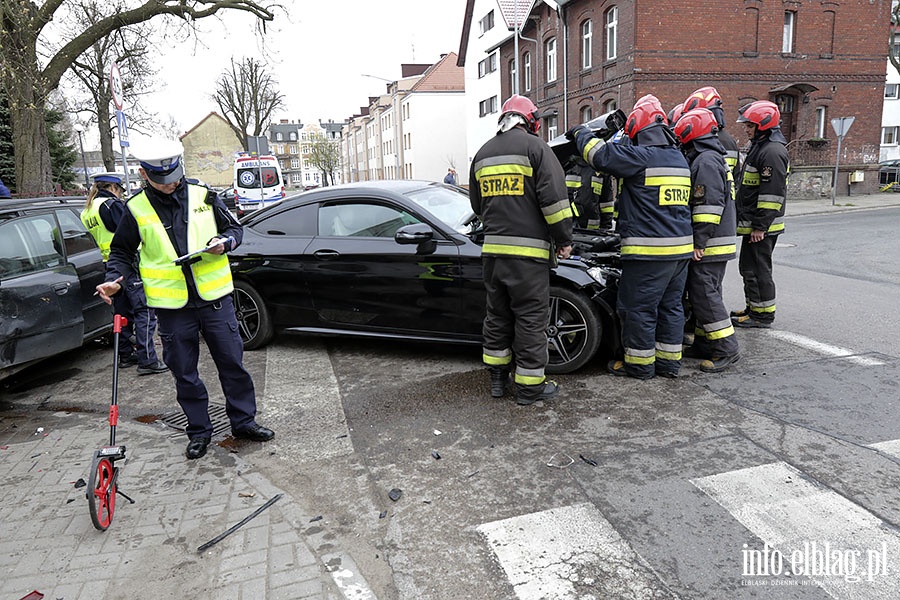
x=777, y=479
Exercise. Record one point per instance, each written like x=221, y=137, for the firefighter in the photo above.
x=517, y=187
x=708, y=97
x=591, y=195
x=760, y=210
x=654, y=220
x=713, y=220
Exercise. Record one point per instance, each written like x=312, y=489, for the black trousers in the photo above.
x=650, y=309
x=518, y=312
x=180, y=331
x=755, y=265
x=713, y=331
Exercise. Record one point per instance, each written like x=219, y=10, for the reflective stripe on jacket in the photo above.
x=763, y=185
x=90, y=216
x=164, y=281
x=713, y=213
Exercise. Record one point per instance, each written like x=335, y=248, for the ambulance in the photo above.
x=257, y=182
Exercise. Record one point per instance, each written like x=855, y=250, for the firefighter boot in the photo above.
x=499, y=381
x=544, y=391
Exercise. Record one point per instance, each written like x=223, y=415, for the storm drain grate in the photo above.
x=217, y=414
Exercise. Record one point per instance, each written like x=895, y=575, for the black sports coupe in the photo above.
x=401, y=259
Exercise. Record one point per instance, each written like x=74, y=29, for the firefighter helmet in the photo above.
x=675, y=114
x=705, y=97
x=524, y=107
x=646, y=112
x=763, y=113
x=695, y=124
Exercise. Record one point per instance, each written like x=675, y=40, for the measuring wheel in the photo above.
x=101, y=492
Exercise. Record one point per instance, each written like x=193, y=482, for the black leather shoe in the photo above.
x=157, y=367
x=196, y=448
x=255, y=432
x=129, y=360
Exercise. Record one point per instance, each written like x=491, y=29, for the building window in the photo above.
x=513, y=77
x=293, y=136
x=295, y=163
x=292, y=149
x=279, y=137
x=612, y=32
x=486, y=23
x=551, y=60
x=787, y=40
x=488, y=65
x=552, y=126
x=486, y=107
x=587, y=33
x=526, y=65
x=889, y=136
x=610, y=105
x=820, y=121
x=890, y=91
x=586, y=114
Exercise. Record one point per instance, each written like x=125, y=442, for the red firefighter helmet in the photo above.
x=705, y=97
x=675, y=114
x=763, y=113
x=694, y=124
x=521, y=105
x=647, y=111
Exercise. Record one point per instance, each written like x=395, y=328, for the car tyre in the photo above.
x=574, y=331
x=254, y=321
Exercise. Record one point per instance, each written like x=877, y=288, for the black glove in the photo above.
x=572, y=134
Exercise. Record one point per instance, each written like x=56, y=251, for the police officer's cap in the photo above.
x=161, y=159
x=109, y=177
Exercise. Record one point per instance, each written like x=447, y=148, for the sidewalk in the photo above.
x=798, y=207
x=151, y=549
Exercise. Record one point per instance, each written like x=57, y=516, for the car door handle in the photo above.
x=61, y=289
x=326, y=254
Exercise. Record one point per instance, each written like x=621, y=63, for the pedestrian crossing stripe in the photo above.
x=807, y=532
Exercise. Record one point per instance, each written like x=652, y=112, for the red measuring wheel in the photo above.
x=102, y=492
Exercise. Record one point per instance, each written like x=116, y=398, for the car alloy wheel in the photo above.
x=254, y=322
x=574, y=331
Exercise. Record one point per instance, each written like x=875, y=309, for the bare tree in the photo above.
x=124, y=47
x=30, y=70
x=894, y=47
x=325, y=155
x=247, y=96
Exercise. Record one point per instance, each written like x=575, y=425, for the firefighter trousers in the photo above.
x=650, y=310
x=755, y=265
x=713, y=332
x=518, y=312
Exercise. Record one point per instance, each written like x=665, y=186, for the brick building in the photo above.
x=816, y=60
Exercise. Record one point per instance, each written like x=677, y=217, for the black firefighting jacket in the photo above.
x=763, y=184
x=712, y=200
x=518, y=189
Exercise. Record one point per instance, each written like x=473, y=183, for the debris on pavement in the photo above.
x=589, y=461
x=437, y=432
x=560, y=460
x=382, y=514
x=314, y=519
x=395, y=494
x=243, y=522
x=435, y=455
x=80, y=483
x=246, y=494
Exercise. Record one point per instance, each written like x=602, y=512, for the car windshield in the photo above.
x=449, y=205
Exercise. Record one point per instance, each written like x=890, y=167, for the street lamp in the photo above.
x=80, y=129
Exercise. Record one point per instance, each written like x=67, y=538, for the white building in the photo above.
x=890, y=116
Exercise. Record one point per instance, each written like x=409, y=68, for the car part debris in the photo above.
x=243, y=522
x=435, y=455
x=560, y=460
x=395, y=494
x=589, y=461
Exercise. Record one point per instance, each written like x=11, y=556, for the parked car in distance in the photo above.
x=49, y=269
x=229, y=197
x=400, y=259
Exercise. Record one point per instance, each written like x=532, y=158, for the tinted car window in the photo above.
x=296, y=221
x=362, y=220
x=29, y=244
x=75, y=237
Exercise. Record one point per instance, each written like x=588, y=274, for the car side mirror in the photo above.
x=416, y=233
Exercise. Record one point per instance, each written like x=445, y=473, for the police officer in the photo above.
x=708, y=97
x=166, y=221
x=517, y=188
x=760, y=210
x=654, y=221
x=713, y=220
x=101, y=215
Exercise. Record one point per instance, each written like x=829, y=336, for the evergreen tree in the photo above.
x=62, y=154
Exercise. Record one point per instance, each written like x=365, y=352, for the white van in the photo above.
x=257, y=182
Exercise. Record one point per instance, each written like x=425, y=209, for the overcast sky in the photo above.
x=319, y=55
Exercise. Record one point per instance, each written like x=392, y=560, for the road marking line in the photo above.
x=811, y=535
x=823, y=348
x=558, y=553
x=891, y=447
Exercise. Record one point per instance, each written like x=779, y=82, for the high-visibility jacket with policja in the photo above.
x=90, y=217
x=763, y=185
x=517, y=187
x=653, y=219
x=164, y=282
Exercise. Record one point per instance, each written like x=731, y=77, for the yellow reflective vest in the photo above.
x=164, y=282
x=90, y=216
